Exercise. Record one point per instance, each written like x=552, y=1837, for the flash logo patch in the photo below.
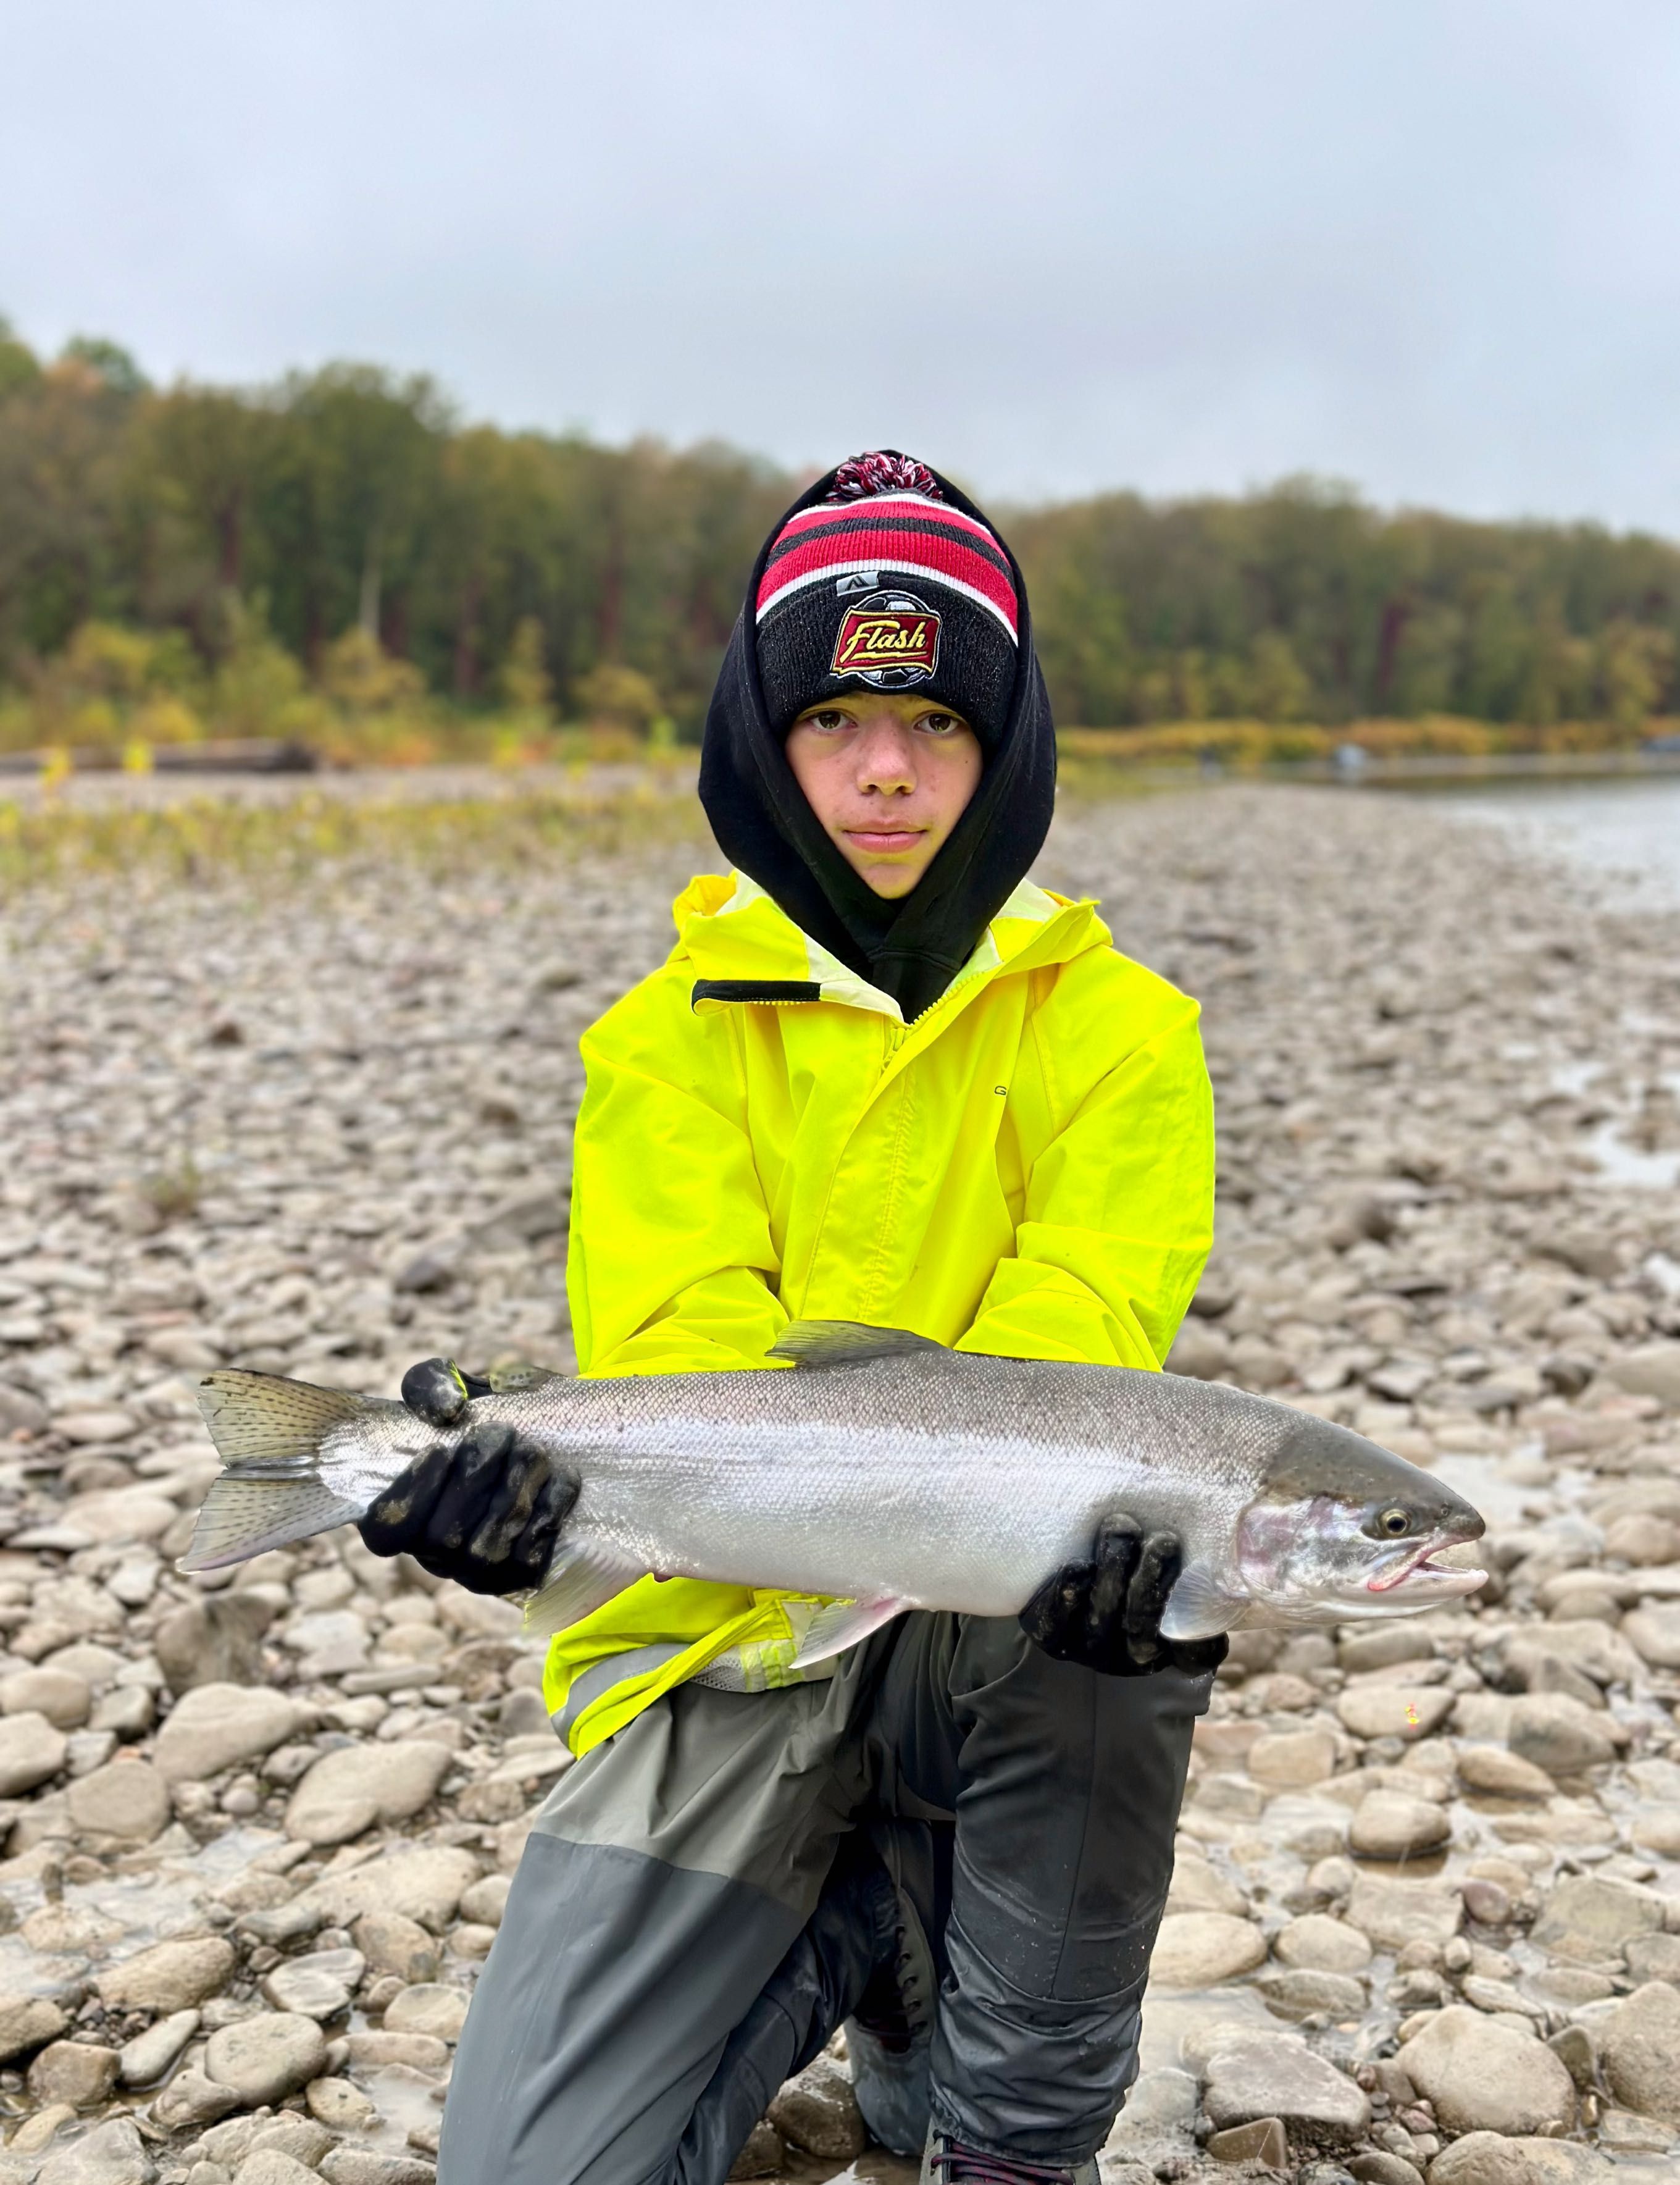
x=891, y=640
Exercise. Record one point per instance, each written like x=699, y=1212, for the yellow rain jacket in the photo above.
x=1026, y=1170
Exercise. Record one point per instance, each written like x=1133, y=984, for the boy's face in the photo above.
x=888, y=777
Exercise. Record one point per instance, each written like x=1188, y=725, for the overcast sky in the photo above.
x=1428, y=246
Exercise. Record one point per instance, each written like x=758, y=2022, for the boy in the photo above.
x=882, y=1078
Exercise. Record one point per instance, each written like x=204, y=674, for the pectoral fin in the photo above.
x=1199, y=1607
x=842, y=1624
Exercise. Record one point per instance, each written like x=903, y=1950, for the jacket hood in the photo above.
x=910, y=948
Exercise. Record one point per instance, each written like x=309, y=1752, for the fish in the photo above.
x=872, y=1471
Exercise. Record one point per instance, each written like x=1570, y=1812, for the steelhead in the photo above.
x=884, y=1473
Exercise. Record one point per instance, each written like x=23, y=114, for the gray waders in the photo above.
x=692, y=1917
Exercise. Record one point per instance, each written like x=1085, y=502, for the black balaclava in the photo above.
x=913, y=948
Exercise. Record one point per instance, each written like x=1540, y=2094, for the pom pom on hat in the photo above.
x=883, y=470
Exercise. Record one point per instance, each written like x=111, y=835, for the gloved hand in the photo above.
x=484, y=1510
x=1105, y=1612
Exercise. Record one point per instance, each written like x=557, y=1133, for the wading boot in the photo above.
x=948, y=2161
x=889, y=2037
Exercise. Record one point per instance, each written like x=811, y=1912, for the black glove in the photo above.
x=484, y=1510
x=1107, y=1612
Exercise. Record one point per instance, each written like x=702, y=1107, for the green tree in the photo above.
x=19, y=366
x=108, y=361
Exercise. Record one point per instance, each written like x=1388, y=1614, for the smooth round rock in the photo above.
x=272, y=2166
x=1292, y=1759
x=428, y=2007
x=1404, y=1711
x=149, y=2054
x=1199, y=1949
x=349, y=1790
x=818, y=2111
x=1559, y=1734
x=1260, y=2074
x=1487, y=1902
x=28, y=2022
x=1489, y=2158
x=1294, y=1993
x=217, y=1726
x=1589, y=1919
x=1639, y=2048
x=65, y=1700
x=73, y=2071
x=1500, y=1773
x=126, y=1798
x=170, y=1976
x=191, y=2098
x=1652, y=1631
x=111, y=2153
x=264, y=2059
x=1317, y=1943
x=96, y=1426
x=1394, y=1911
x=1482, y=2075
x=306, y=1990
x=487, y=1900
x=339, y=2104
x=31, y=1751
x=394, y=1944
x=1387, y=1824
x=1656, y=1829
x=421, y=1882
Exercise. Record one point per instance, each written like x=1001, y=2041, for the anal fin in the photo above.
x=582, y=1579
x=843, y=1623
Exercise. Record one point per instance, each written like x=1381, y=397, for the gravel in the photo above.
x=258, y=1827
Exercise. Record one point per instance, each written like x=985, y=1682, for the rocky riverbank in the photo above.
x=1426, y=1916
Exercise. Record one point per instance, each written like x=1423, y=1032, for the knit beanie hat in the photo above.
x=884, y=584
x=911, y=946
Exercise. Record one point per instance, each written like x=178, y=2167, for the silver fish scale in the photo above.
x=944, y=1480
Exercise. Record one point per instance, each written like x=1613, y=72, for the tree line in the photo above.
x=345, y=530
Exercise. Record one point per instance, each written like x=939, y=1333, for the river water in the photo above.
x=1629, y=831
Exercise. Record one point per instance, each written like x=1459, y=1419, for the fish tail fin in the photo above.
x=268, y=1431
x=244, y=1514
x=258, y=1418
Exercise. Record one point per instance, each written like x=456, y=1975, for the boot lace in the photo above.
x=953, y=2163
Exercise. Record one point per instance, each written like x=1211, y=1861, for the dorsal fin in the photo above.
x=846, y=1343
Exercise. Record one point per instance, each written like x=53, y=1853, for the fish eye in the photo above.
x=1394, y=1523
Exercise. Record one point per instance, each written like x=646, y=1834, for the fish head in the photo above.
x=1343, y=1528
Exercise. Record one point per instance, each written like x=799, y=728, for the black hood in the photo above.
x=913, y=948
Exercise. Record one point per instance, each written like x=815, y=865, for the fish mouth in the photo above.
x=1449, y=1579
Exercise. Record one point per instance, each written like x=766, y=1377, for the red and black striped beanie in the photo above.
x=884, y=584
